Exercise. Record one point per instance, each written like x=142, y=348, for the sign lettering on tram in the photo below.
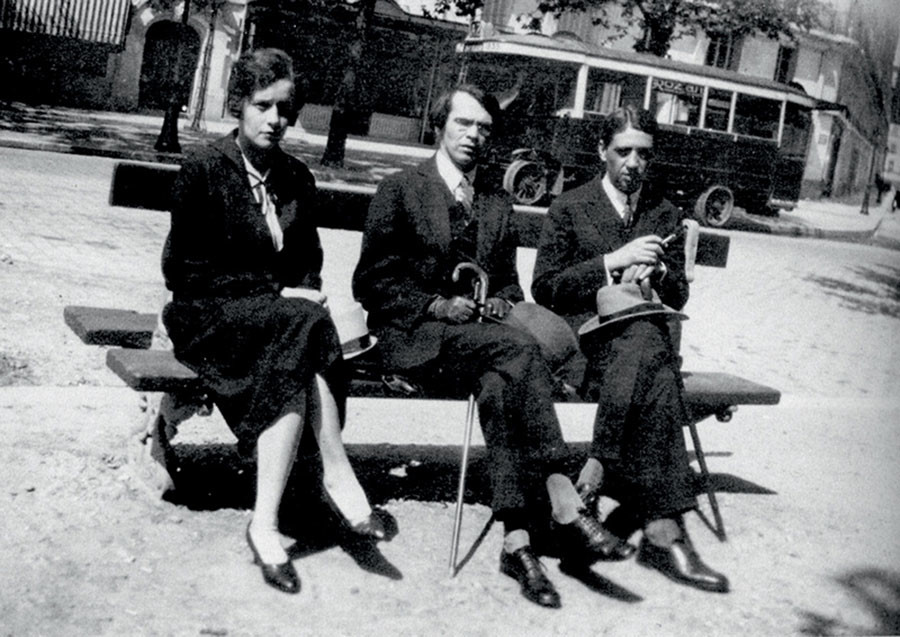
x=676, y=87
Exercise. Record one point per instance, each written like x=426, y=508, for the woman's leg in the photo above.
x=339, y=480
x=276, y=450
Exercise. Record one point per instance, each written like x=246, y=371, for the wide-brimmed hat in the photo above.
x=555, y=337
x=350, y=321
x=625, y=301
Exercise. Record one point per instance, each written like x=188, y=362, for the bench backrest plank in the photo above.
x=344, y=207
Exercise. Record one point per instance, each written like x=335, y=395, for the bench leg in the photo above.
x=150, y=453
x=707, y=483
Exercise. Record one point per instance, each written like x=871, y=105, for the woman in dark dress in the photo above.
x=243, y=262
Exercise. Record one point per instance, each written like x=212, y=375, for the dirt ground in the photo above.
x=807, y=488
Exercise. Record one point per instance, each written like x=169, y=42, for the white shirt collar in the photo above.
x=617, y=197
x=450, y=173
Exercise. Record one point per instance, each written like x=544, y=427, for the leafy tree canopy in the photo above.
x=665, y=20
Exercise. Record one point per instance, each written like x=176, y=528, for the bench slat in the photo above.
x=345, y=206
x=158, y=370
x=107, y=326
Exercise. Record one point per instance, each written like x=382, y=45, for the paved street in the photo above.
x=808, y=488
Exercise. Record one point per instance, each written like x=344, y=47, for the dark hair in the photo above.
x=440, y=111
x=258, y=69
x=622, y=118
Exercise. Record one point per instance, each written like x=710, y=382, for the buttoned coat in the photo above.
x=406, y=259
x=581, y=227
x=632, y=367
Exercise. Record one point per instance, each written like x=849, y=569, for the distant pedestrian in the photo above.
x=896, y=202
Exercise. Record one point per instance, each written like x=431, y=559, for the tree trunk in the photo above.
x=167, y=141
x=197, y=123
x=345, y=98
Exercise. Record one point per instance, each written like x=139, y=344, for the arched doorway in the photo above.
x=158, y=72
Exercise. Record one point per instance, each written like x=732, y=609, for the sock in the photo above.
x=591, y=476
x=662, y=532
x=516, y=539
x=565, y=502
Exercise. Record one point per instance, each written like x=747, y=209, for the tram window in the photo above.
x=607, y=90
x=676, y=102
x=795, y=137
x=718, y=105
x=756, y=116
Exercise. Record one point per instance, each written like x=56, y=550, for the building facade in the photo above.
x=846, y=63
x=123, y=55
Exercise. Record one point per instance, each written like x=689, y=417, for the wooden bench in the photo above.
x=129, y=333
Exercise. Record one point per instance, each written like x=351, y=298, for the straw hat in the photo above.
x=350, y=321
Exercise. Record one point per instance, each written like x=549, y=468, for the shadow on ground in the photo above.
x=881, y=297
x=877, y=590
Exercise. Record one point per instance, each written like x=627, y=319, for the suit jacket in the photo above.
x=406, y=260
x=219, y=243
x=581, y=226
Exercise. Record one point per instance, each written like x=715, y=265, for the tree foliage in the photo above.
x=665, y=20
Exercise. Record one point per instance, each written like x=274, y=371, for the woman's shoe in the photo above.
x=281, y=576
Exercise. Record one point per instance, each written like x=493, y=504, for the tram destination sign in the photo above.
x=677, y=87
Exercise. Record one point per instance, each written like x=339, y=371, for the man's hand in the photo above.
x=637, y=273
x=495, y=308
x=643, y=250
x=454, y=310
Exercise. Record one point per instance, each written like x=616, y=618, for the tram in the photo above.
x=725, y=139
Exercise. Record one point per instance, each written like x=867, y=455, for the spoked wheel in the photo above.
x=526, y=181
x=714, y=206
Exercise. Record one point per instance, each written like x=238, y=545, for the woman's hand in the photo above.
x=316, y=296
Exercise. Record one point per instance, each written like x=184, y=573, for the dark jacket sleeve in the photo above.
x=299, y=264
x=189, y=217
x=390, y=282
x=503, y=273
x=564, y=281
x=673, y=288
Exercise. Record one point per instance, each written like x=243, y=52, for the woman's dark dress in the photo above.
x=256, y=350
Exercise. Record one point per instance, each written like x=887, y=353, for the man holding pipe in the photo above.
x=610, y=252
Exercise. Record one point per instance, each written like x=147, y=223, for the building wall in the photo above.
x=892, y=157
x=848, y=61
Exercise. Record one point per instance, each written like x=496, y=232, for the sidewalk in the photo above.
x=132, y=136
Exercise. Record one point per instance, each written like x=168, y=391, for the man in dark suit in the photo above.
x=421, y=224
x=617, y=229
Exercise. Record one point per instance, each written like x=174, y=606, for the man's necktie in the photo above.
x=465, y=194
x=627, y=212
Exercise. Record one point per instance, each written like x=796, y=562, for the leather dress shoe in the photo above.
x=524, y=566
x=681, y=563
x=372, y=527
x=281, y=576
x=587, y=538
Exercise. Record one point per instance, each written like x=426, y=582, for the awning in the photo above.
x=95, y=20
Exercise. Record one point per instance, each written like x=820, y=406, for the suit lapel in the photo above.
x=599, y=208
x=435, y=200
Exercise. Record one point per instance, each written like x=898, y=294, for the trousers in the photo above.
x=633, y=374
x=513, y=387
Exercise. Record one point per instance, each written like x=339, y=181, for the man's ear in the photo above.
x=601, y=150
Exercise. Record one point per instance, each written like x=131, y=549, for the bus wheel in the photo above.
x=714, y=206
x=526, y=181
